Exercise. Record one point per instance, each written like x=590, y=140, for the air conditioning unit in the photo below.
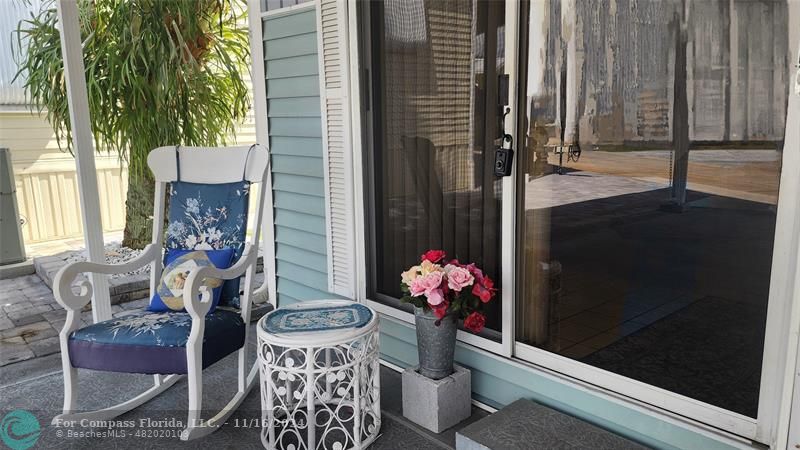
x=12, y=248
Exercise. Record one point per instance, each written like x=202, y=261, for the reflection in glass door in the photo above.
x=435, y=116
x=647, y=190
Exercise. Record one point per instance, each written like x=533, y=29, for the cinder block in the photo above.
x=437, y=404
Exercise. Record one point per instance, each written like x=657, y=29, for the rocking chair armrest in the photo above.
x=62, y=283
x=197, y=298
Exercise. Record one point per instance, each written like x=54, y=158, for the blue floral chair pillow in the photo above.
x=178, y=265
x=210, y=217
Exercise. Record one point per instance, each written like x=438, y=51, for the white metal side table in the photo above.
x=320, y=376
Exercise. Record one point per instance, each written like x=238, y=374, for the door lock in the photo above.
x=504, y=157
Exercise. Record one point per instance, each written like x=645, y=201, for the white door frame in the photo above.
x=780, y=342
x=505, y=346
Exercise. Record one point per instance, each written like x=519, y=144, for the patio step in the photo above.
x=528, y=425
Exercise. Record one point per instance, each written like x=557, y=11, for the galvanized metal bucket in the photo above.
x=436, y=344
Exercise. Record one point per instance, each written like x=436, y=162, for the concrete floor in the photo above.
x=396, y=433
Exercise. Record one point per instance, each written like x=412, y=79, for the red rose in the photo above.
x=478, y=290
x=433, y=256
x=440, y=310
x=476, y=272
x=475, y=322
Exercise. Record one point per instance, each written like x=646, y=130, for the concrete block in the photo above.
x=437, y=404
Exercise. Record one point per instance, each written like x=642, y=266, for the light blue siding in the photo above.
x=296, y=146
x=293, y=87
x=294, y=107
x=295, y=129
x=302, y=44
x=290, y=24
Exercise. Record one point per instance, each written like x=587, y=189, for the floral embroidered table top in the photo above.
x=288, y=320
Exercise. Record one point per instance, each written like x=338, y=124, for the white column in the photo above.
x=262, y=137
x=83, y=146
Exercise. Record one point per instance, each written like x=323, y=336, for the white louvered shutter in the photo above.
x=336, y=141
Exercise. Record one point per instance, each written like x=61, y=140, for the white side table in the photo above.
x=319, y=364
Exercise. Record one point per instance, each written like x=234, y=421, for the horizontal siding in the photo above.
x=308, y=166
x=301, y=86
x=294, y=107
x=307, y=185
x=295, y=130
x=291, y=24
x=312, y=260
x=295, y=66
x=291, y=46
x=297, y=126
x=297, y=146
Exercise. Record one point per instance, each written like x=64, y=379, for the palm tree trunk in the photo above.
x=139, y=210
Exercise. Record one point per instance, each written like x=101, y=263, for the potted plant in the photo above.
x=443, y=292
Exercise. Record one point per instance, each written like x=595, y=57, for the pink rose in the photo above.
x=458, y=277
x=425, y=284
x=417, y=287
x=435, y=297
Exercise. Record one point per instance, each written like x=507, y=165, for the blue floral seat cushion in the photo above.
x=210, y=217
x=291, y=320
x=153, y=342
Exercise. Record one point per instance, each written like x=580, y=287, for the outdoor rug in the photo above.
x=710, y=350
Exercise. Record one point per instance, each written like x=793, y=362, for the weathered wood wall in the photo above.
x=737, y=61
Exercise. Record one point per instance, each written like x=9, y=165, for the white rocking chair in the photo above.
x=208, y=167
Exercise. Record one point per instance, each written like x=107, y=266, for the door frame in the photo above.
x=780, y=347
x=362, y=126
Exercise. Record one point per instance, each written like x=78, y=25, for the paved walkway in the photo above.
x=30, y=319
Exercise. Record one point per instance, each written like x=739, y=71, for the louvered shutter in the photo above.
x=336, y=140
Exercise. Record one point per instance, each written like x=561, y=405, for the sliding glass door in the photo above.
x=633, y=241
x=647, y=197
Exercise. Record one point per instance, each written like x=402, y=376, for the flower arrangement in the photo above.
x=448, y=286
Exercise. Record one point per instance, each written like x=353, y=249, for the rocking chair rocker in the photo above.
x=181, y=343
